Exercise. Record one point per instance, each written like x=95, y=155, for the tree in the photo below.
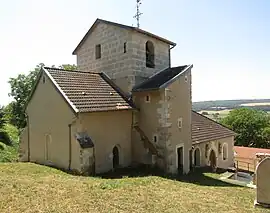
x=252, y=127
x=205, y=113
x=21, y=87
x=2, y=117
x=68, y=66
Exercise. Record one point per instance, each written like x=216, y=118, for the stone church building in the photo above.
x=124, y=106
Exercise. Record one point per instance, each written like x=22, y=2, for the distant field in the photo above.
x=221, y=112
x=256, y=104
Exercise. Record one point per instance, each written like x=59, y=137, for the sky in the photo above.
x=227, y=41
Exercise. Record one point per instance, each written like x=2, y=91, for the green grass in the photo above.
x=26, y=187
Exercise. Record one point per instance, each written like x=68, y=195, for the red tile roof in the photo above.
x=248, y=152
x=205, y=129
x=88, y=92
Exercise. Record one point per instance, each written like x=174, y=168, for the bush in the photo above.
x=13, y=133
x=9, y=145
x=9, y=154
x=3, y=146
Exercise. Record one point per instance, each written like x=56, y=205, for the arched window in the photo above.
x=225, y=151
x=150, y=54
x=197, y=157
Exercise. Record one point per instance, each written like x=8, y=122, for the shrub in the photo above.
x=9, y=154
x=9, y=145
x=3, y=146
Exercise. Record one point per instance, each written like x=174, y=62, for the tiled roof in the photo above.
x=248, y=152
x=122, y=26
x=88, y=92
x=161, y=78
x=205, y=129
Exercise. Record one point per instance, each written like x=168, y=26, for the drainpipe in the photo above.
x=170, y=54
x=28, y=137
x=70, y=141
x=94, y=157
x=69, y=146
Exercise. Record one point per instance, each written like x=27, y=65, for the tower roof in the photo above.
x=122, y=26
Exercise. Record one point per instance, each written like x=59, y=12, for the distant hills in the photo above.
x=261, y=104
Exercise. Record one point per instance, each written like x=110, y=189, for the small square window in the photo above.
x=155, y=138
x=98, y=51
x=186, y=78
x=147, y=98
x=179, y=123
x=43, y=79
x=125, y=47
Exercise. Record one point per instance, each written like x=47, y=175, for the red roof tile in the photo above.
x=88, y=92
x=249, y=152
x=205, y=129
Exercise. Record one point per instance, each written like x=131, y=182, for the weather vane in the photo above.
x=138, y=13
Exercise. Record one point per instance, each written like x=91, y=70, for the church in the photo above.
x=124, y=106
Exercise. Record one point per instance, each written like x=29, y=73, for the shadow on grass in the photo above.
x=196, y=177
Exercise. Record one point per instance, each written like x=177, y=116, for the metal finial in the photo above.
x=138, y=13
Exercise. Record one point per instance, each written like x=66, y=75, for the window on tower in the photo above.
x=98, y=51
x=125, y=47
x=150, y=54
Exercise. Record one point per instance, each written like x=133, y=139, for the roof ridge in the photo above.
x=98, y=20
x=106, y=78
x=79, y=71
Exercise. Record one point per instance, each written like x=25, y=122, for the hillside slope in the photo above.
x=26, y=187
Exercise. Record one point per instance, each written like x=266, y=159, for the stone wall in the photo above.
x=178, y=98
x=160, y=117
x=87, y=161
x=148, y=120
x=107, y=130
x=126, y=68
x=214, y=145
x=161, y=50
x=23, y=145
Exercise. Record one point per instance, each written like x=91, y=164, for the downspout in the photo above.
x=70, y=142
x=170, y=54
x=69, y=147
x=28, y=137
x=94, y=157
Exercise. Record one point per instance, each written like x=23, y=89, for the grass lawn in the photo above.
x=26, y=187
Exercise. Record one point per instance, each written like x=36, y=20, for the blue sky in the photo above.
x=228, y=41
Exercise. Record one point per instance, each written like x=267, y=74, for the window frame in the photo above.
x=125, y=47
x=180, y=121
x=147, y=100
x=149, y=54
x=226, y=156
x=98, y=51
x=155, y=138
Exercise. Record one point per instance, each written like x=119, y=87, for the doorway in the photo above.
x=197, y=157
x=180, y=160
x=115, y=157
x=190, y=160
x=213, y=160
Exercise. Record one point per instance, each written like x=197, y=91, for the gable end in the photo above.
x=42, y=72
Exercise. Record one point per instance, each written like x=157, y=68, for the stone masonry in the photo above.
x=126, y=68
x=164, y=144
